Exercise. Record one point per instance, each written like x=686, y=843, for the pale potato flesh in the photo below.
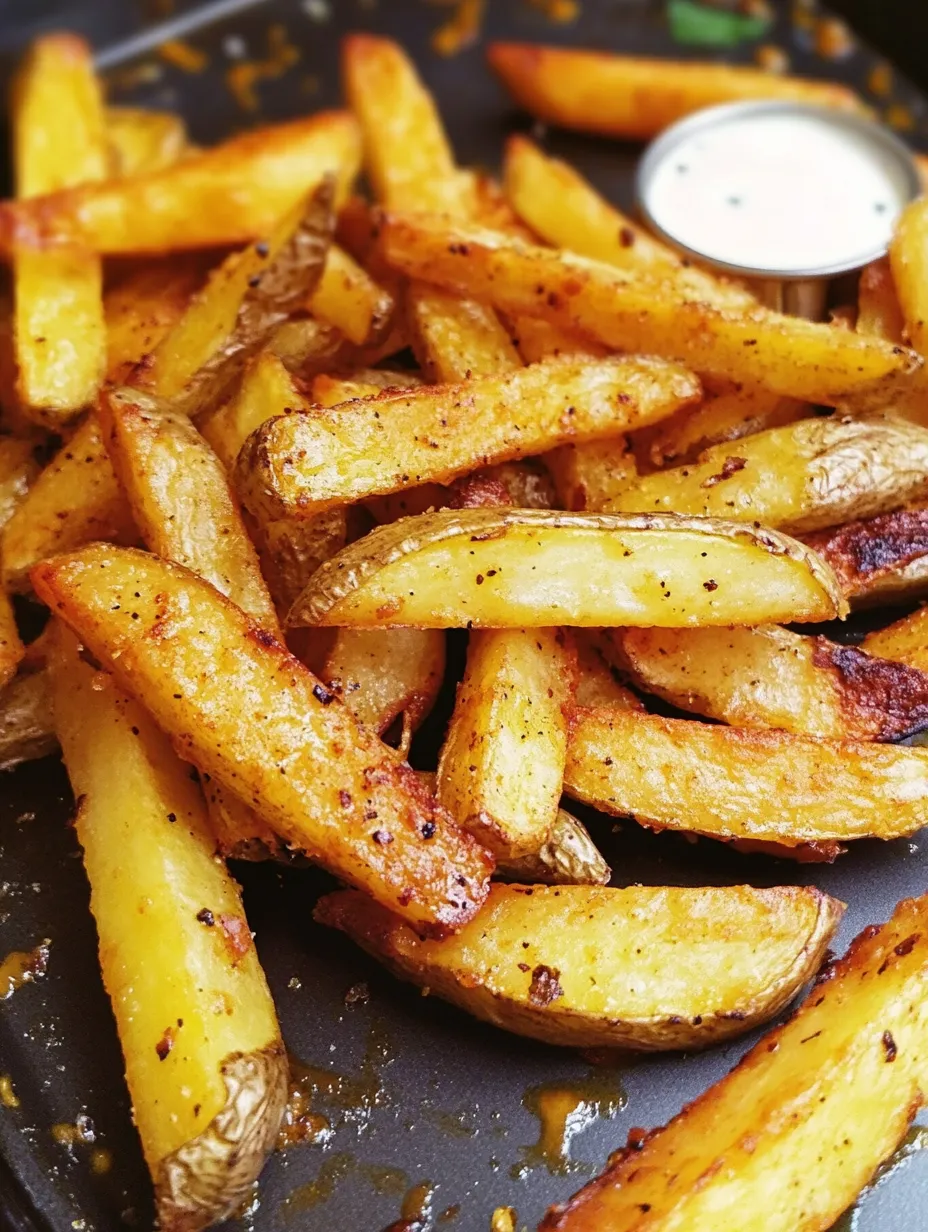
x=726, y=416
x=642, y=968
x=347, y=297
x=383, y=673
x=18, y=471
x=531, y=568
x=788, y=1139
x=730, y=782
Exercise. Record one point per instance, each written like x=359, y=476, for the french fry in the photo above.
x=205, y=1062
x=143, y=306
x=454, y=339
x=568, y=856
x=588, y=476
x=634, y=97
x=291, y=550
x=303, y=463
x=802, y=477
x=267, y=389
x=536, y=339
x=27, y=728
x=347, y=297
x=140, y=141
x=908, y=255
x=728, y=782
x=721, y=417
x=502, y=763
x=329, y=789
x=58, y=140
x=624, y=309
x=18, y=471
x=905, y=641
x=228, y=195
x=531, y=568
x=362, y=383
x=853, y=1056
x=772, y=678
x=587, y=966
x=878, y=560
x=878, y=309
x=597, y=683
x=11, y=646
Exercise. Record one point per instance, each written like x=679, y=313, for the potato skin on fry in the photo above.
x=878, y=560
x=587, y=966
x=788, y=1139
x=292, y=751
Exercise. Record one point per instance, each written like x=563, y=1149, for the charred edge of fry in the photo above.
x=860, y=553
x=890, y=697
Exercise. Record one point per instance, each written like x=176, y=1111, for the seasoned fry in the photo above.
x=347, y=297
x=807, y=475
x=230, y=194
x=588, y=476
x=291, y=550
x=772, y=678
x=878, y=560
x=27, y=729
x=788, y=1139
x=142, y=307
x=908, y=255
x=634, y=97
x=18, y=471
x=727, y=782
x=878, y=309
x=527, y=568
x=597, y=683
x=625, y=309
x=568, y=856
x=456, y=338
x=727, y=416
x=208, y=1088
x=11, y=647
x=587, y=966
x=301, y=464
x=267, y=389
x=58, y=142
x=502, y=763
x=335, y=777
x=906, y=641
x=140, y=141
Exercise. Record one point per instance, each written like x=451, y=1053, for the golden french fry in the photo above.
x=568, y=856
x=344, y=798
x=587, y=966
x=18, y=471
x=363, y=383
x=587, y=476
x=347, y=297
x=205, y=1063
x=300, y=464
x=625, y=309
x=454, y=339
x=878, y=560
x=230, y=194
x=878, y=309
x=58, y=143
x=531, y=568
x=143, y=306
x=728, y=782
x=141, y=141
x=726, y=416
x=635, y=97
x=905, y=641
x=11, y=647
x=908, y=254
x=597, y=683
x=267, y=389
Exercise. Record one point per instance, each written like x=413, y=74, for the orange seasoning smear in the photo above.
x=242, y=78
x=461, y=29
x=22, y=967
x=183, y=56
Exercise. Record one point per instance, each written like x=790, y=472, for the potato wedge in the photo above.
x=303, y=463
x=502, y=763
x=27, y=727
x=727, y=416
x=58, y=142
x=568, y=856
x=772, y=678
x=536, y=339
x=292, y=549
x=142, y=307
x=788, y=1139
x=645, y=968
x=878, y=560
x=908, y=255
x=76, y=499
x=181, y=500
x=528, y=568
x=727, y=782
x=597, y=681
x=624, y=309
x=634, y=97
x=347, y=297
x=230, y=194
x=905, y=641
x=878, y=309
x=18, y=471
x=455, y=338
x=587, y=476
x=802, y=477
x=267, y=389
x=140, y=141
x=328, y=788
x=205, y=1063
x=11, y=646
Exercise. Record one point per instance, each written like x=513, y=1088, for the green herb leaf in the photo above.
x=699, y=26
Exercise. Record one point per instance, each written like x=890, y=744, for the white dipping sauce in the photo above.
x=781, y=192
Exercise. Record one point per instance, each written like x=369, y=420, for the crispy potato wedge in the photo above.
x=140, y=141
x=727, y=782
x=878, y=309
x=530, y=568
x=568, y=856
x=295, y=752
x=268, y=389
x=27, y=727
x=645, y=968
x=58, y=142
x=347, y=297
x=181, y=500
x=227, y=195
x=18, y=471
x=536, y=339
x=727, y=416
x=802, y=477
x=330, y=390
x=205, y=1063
x=771, y=678
x=625, y=309
x=634, y=97
x=502, y=763
x=292, y=549
x=301, y=464
x=76, y=499
x=587, y=476
x=905, y=641
x=11, y=646
x=788, y=1139
x=908, y=255
x=455, y=338
x=597, y=680
x=142, y=307
x=878, y=560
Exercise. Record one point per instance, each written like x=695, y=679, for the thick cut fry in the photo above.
x=597, y=683
x=770, y=677
x=142, y=307
x=625, y=309
x=634, y=97
x=227, y=195
x=908, y=254
x=726, y=782
x=304, y=463
x=805, y=476
x=58, y=142
x=205, y=1063
x=906, y=641
x=502, y=764
x=180, y=498
x=455, y=338
x=27, y=729
x=75, y=500
x=788, y=1139
x=11, y=647
x=291, y=550
x=267, y=389
x=568, y=856
x=587, y=476
x=878, y=560
x=537, y=339
x=330, y=390
x=18, y=471
x=727, y=416
x=141, y=141
x=878, y=309
x=527, y=568
x=347, y=297
x=294, y=752
x=647, y=968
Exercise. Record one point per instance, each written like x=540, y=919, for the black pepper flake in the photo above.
x=165, y=1044
x=428, y=829
x=205, y=916
x=711, y=585
x=344, y=799
x=382, y=838
x=322, y=694
x=626, y=237
x=262, y=249
x=889, y=1046
x=172, y=817
x=545, y=986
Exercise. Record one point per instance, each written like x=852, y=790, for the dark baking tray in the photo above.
x=430, y=1096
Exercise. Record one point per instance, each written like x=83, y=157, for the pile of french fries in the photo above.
x=629, y=481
